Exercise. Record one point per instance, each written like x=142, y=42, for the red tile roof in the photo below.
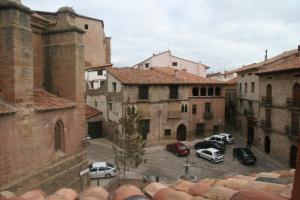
x=232, y=81
x=45, y=101
x=262, y=64
x=158, y=75
x=6, y=108
x=91, y=112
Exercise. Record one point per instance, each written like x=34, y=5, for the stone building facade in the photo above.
x=267, y=111
x=174, y=103
x=42, y=121
x=231, y=101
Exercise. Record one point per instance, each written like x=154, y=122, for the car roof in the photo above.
x=212, y=150
x=220, y=136
x=98, y=164
x=226, y=134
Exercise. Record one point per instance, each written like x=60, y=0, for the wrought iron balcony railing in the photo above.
x=292, y=132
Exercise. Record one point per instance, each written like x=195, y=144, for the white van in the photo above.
x=102, y=169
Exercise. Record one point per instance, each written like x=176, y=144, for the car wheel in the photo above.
x=107, y=175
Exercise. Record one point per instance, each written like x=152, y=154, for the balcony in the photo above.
x=292, y=133
x=266, y=125
x=266, y=101
x=248, y=112
x=208, y=115
x=292, y=103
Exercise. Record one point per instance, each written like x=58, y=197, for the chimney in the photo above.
x=266, y=55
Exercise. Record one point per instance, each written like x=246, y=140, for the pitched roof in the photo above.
x=232, y=81
x=45, y=101
x=158, y=75
x=262, y=64
x=6, y=108
x=277, y=185
x=91, y=112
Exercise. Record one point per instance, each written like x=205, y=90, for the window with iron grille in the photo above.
x=144, y=128
x=174, y=63
x=167, y=132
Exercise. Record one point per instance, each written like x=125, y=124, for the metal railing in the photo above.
x=292, y=132
x=292, y=103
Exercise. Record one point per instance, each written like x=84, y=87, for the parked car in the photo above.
x=102, y=169
x=244, y=155
x=217, y=138
x=210, y=144
x=229, y=137
x=178, y=149
x=211, y=154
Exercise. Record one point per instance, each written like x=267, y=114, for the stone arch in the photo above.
x=181, y=132
x=59, y=136
x=218, y=91
x=203, y=91
x=210, y=91
x=195, y=91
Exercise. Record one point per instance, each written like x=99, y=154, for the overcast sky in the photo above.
x=220, y=33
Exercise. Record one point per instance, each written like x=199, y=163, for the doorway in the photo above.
x=181, y=132
x=200, y=129
x=293, y=156
x=95, y=129
x=251, y=134
x=267, y=144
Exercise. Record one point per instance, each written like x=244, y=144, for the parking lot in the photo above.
x=168, y=167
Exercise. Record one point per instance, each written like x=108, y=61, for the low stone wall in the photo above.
x=64, y=173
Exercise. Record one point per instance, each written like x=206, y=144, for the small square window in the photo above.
x=99, y=72
x=86, y=26
x=174, y=63
x=146, y=65
x=114, y=85
x=167, y=132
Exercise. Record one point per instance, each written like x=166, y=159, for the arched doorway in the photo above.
x=59, y=136
x=296, y=94
x=267, y=144
x=181, y=132
x=293, y=156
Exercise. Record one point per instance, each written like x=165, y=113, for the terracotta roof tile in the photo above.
x=157, y=75
x=91, y=112
x=255, y=195
x=45, y=101
x=6, y=108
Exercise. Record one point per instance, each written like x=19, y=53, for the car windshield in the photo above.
x=246, y=153
x=182, y=147
x=218, y=153
x=110, y=165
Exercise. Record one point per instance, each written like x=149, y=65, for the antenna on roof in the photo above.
x=266, y=55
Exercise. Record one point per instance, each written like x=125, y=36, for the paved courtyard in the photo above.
x=168, y=167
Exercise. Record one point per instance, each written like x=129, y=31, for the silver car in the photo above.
x=102, y=169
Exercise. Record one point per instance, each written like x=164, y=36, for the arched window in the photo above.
x=218, y=91
x=210, y=91
x=59, y=136
x=182, y=108
x=203, y=91
x=185, y=108
x=296, y=94
x=195, y=91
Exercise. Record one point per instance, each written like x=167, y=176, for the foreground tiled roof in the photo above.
x=45, y=101
x=6, y=108
x=263, y=186
x=91, y=112
x=268, y=61
x=158, y=75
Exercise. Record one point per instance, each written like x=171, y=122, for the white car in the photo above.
x=211, y=154
x=217, y=138
x=102, y=169
x=229, y=137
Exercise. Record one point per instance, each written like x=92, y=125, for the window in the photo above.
x=252, y=87
x=144, y=128
x=167, y=132
x=114, y=85
x=59, y=136
x=146, y=65
x=218, y=91
x=173, y=91
x=94, y=169
x=96, y=103
x=246, y=87
x=203, y=91
x=210, y=91
x=240, y=87
x=249, y=74
x=207, y=107
x=242, y=75
x=185, y=108
x=195, y=91
x=174, y=64
x=99, y=72
x=182, y=108
x=110, y=106
x=194, y=109
x=86, y=26
x=144, y=92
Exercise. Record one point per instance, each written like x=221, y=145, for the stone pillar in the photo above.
x=16, y=63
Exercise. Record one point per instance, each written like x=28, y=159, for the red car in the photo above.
x=178, y=149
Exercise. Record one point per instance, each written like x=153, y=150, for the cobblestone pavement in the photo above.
x=168, y=167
